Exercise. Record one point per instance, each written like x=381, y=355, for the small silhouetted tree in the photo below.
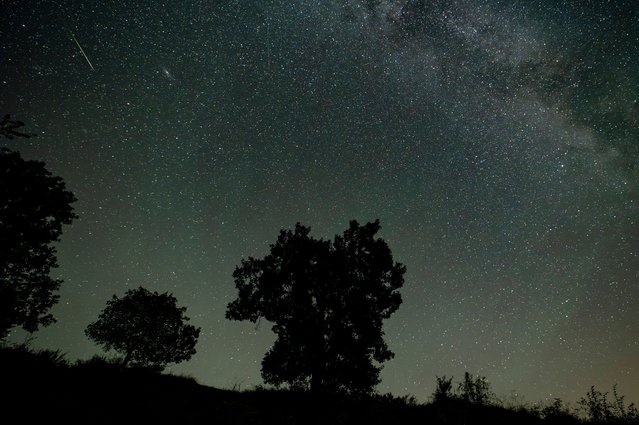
x=327, y=301
x=443, y=389
x=596, y=405
x=33, y=207
x=147, y=328
x=475, y=390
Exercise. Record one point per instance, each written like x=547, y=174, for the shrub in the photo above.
x=475, y=390
x=443, y=389
x=598, y=408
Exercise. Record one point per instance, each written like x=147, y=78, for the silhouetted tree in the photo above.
x=148, y=328
x=443, y=389
x=475, y=390
x=33, y=207
x=600, y=409
x=327, y=301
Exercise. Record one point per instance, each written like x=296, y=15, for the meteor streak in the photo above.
x=81, y=49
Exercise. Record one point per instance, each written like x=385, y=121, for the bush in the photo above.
x=555, y=411
x=23, y=357
x=598, y=408
x=405, y=400
x=475, y=390
x=443, y=389
x=100, y=362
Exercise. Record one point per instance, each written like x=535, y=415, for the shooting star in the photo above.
x=81, y=49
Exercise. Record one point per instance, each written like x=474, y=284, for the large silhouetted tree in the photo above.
x=327, y=301
x=33, y=207
x=148, y=328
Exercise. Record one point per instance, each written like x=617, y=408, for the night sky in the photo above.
x=496, y=141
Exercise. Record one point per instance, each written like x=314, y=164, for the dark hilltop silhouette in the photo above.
x=44, y=387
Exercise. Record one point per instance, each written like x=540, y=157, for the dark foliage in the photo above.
x=33, y=207
x=443, y=390
x=327, y=301
x=9, y=128
x=472, y=390
x=556, y=412
x=600, y=409
x=149, y=329
x=475, y=390
x=36, y=361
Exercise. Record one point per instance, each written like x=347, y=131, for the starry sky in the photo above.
x=496, y=141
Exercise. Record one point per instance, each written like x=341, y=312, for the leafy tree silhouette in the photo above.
x=327, y=301
x=602, y=410
x=33, y=207
x=149, y=329
x=443, y=390
x=475, y=390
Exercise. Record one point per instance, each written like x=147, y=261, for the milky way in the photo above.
x=497, y=142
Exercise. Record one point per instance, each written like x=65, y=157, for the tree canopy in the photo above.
x=327, y=300
x=148, y=328
x=34, y=205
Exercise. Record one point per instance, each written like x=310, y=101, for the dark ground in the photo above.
x=43, y=387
